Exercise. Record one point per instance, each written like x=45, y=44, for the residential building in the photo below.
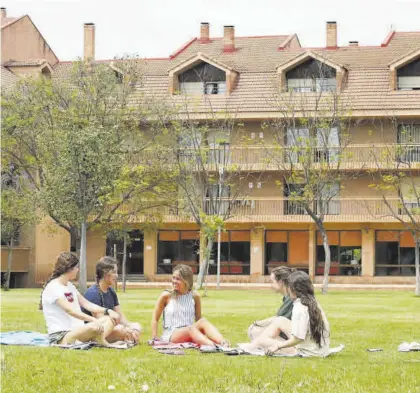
x=381, y=86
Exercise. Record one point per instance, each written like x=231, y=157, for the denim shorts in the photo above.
x=56, y=337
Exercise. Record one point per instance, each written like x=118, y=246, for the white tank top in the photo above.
x=179, y=312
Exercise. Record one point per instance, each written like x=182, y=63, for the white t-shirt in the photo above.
x=301, y=329
x=56, y=318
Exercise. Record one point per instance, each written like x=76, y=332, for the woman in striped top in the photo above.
x=181, y=308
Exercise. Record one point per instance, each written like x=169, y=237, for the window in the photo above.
x=408, y=76
x=326, y=204
x=291, y=206
x=408, y=137
x=328, y=143
x=297, y=143
x=219, y=147
x=276, y=243
x=312, y=75
x=203, y=79
x=175, y=247
x=394, y=253
x=346, y=253
x=235, y=255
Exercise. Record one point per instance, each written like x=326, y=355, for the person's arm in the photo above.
x=264, y=322
x=95, y=309
x=123, y=320
x=157, y=312
x=197, y=301
x=291, y=342
x=66, y=306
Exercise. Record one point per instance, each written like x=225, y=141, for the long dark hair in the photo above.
x=104, y=266
x=301, y=285
x=65, y=262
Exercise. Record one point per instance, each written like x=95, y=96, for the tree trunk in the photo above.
x=124, y=262
x=204, y=264
x=9, y=264
x=82, y=259
x=417, y=263
x=327, y=264
x=218, y=257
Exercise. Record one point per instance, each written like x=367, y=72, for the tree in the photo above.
x=17, y=211
x=396, y=178
x=310, y=136
x=80, y=142
x=210, y=185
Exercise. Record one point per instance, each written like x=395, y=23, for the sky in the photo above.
x=156, y=28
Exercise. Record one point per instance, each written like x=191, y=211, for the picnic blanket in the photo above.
x=240, y=350
x=24, y=338
x=168, y=348
x=41, y=340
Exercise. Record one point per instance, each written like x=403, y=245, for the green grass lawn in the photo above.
x=359, y=320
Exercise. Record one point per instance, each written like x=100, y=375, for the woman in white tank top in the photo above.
x=181, y=309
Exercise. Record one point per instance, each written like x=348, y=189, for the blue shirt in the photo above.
x=108, y=299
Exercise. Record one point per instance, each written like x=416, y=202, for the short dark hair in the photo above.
x=105, y=265
x=282, y=273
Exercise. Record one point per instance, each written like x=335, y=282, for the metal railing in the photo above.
x=289, y=210
x=277, y=157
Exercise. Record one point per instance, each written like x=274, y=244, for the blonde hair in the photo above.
x=186, y=274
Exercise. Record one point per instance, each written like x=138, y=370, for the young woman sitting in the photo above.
x=103, y=294
x=181, y=308
x=308, y=333
x=61, y=301
x=279, y=279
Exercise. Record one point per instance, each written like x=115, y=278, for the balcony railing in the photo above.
x=289, y=210
x=257, y=158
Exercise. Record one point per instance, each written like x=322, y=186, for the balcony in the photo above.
x=259, y=158
x=287, y=210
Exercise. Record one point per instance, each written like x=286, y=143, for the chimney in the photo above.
x=204, y=32
x=228, y=39
x=353, y=43
x=3, y=13
x=331, y=35
x=89, y=41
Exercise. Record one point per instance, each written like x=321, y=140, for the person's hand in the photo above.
x=114, y=316
x=273, y=349
x=99, y=327
x=133, y=334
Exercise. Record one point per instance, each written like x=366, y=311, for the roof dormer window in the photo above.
x=312, y=76
x=408, y=76
x=204, y=78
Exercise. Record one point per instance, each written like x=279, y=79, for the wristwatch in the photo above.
x=106, y=311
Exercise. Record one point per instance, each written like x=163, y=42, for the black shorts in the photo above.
x=283, y=335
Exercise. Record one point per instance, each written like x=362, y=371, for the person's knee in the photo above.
x=279, y=321
x=136, y=326
x=202, y=321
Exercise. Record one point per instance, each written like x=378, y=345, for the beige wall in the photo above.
x=378, y=132
x=20, y=259
x=50, y=240
x=150, y=253
x=22, y=41
x=360, y=188
x=96, y=248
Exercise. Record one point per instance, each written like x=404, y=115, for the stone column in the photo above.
x=368, y=252
x=257, y=254
x=150, y=253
